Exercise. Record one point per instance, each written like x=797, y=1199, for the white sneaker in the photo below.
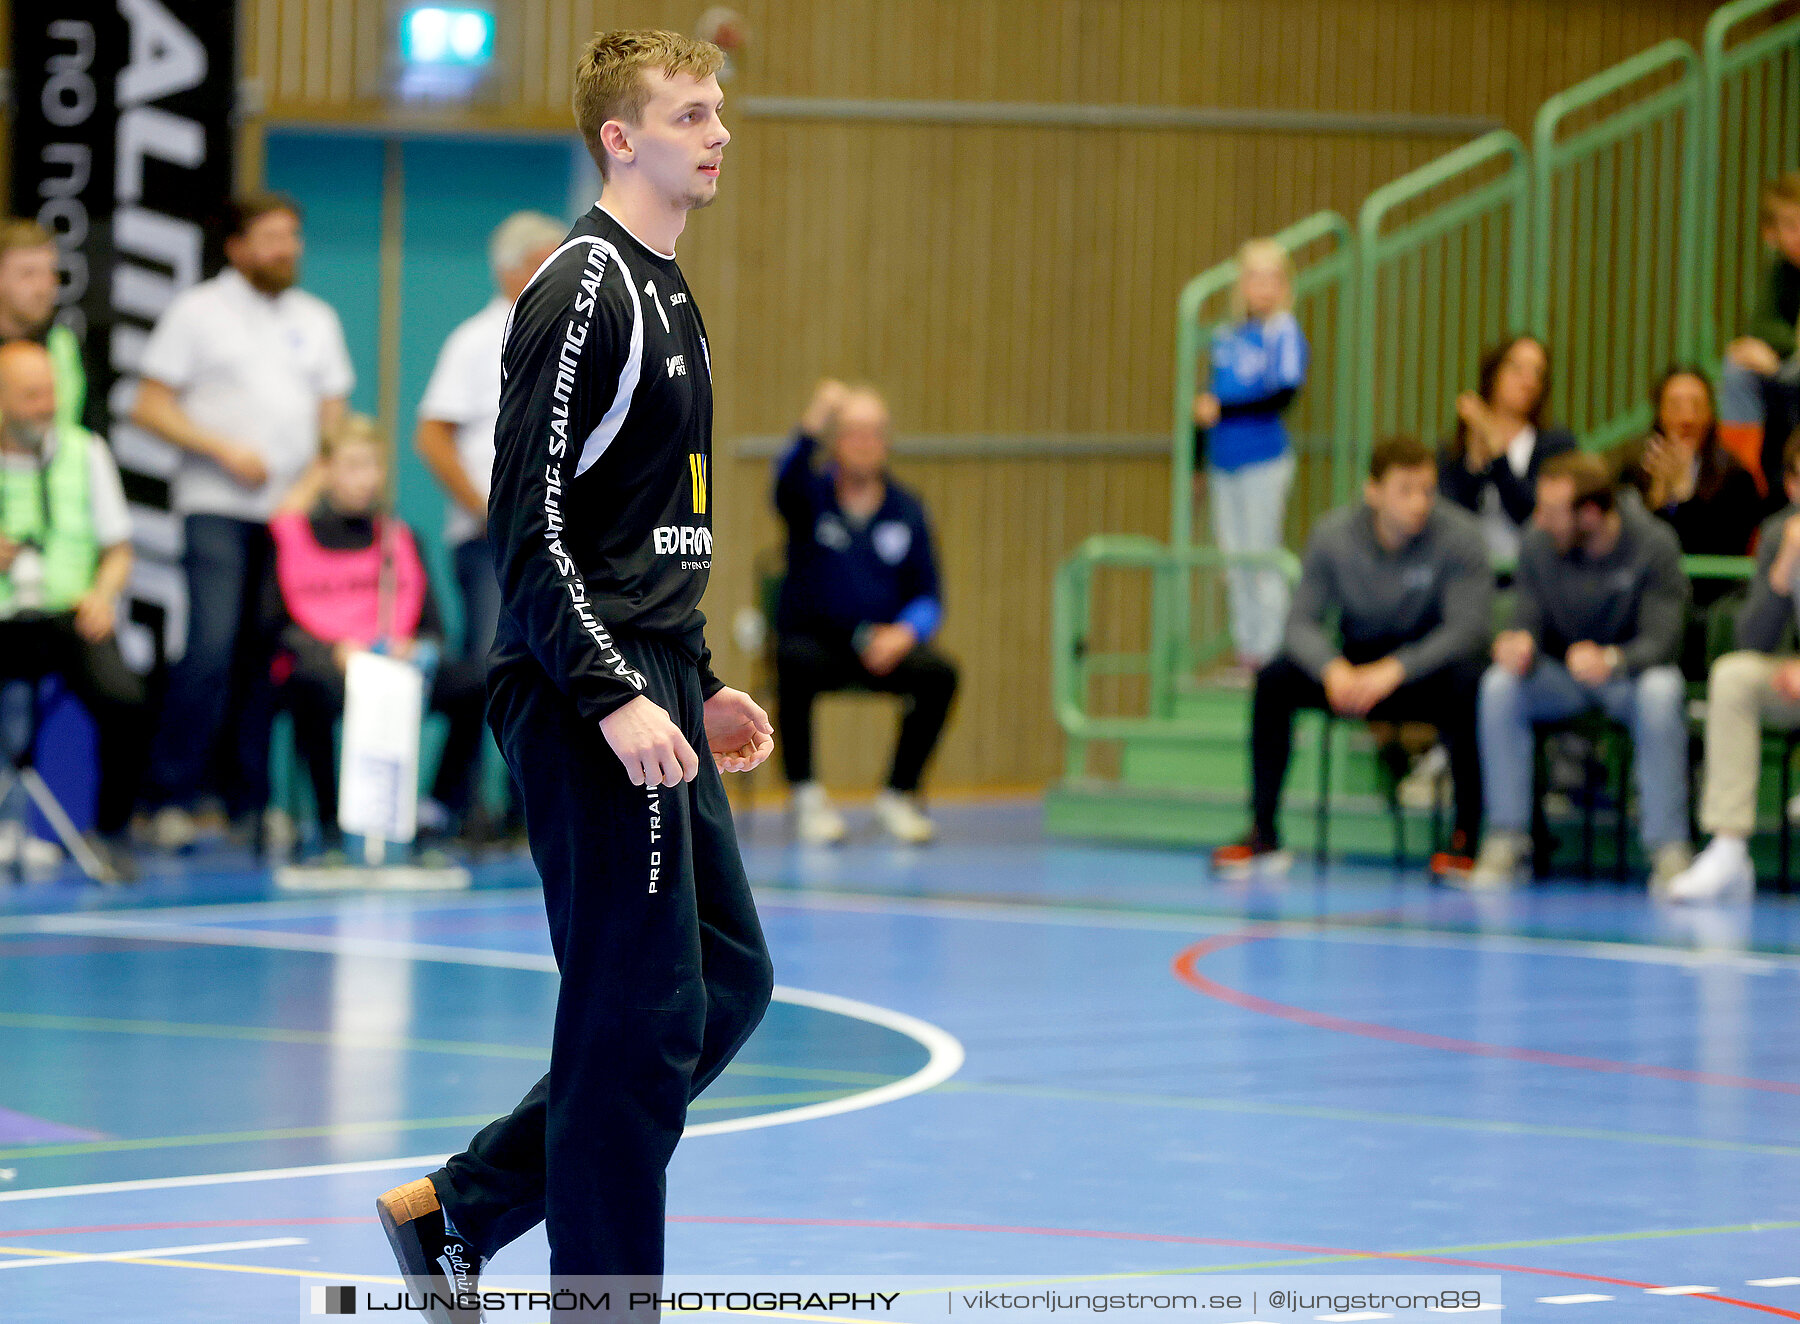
x=1497, y=865
x=1670, y=860
x=1723, y=871
x=816, y=823
x=26, y=850
x=280, y=833
x=900, y=816
x=1419, y=788
x=173, y=828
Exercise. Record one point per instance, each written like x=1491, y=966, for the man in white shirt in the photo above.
x=243, y=374
x=457, y=415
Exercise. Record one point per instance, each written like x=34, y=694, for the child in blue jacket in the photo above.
x=1258, y=363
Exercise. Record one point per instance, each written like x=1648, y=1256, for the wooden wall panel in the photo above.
x=1497, y=58
x=1003, y=527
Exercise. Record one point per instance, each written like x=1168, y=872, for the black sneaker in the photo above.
x=441, y=1268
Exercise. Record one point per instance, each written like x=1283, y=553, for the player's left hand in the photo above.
x=738, y=731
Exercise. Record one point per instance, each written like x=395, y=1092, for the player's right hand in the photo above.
x=651, y=747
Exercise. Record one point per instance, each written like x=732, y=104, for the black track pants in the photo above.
x=664, y=976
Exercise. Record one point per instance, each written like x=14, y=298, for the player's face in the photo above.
x=1403, y=497
x=28, y=286
x=1264, y=288
x=27, y=389
x=680, y=144
x=1555, y=512
x=1684, y=413
x=355, y=476
x=860, y=446
x=1519, y=384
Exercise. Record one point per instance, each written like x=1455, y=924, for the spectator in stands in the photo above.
x=29, y=286
x=242, y=374
x=1760, y=380
x=1406, y=578
x=859, y=607
x=456, y=418
x=1490, y=464
x=1685, y=476
x=1258, y=365
x=1599, y=601
x=1755, y=687
x=65, y=557
x=348, y=577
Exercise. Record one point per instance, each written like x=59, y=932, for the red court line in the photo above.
x=1168, y=1237
x=1187, y=961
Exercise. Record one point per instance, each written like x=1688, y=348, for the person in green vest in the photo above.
x=65, y=558
x=28, y=289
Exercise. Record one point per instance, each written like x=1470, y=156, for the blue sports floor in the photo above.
x=999, y=1055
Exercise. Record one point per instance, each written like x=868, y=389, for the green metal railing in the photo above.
x=1322, y=306
x=1627, y=237
x=1076, y=661
x=1751, y=132
x=1436, y=283
x=1616, y=236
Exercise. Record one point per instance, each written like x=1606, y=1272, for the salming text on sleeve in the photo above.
x=600, y=513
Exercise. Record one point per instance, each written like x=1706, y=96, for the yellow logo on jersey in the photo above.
x=697, y=475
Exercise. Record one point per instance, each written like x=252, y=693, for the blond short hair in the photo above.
x=19, y=233
x=1265, y=253
x=610, y=82
x=1781, y=191
x=354, y=430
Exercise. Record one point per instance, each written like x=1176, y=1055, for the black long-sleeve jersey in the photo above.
x=599, y=520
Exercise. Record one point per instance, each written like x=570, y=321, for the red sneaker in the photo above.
x=1456, y=862
x=1250, y=855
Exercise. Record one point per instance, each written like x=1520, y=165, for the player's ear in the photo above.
x=616, y=142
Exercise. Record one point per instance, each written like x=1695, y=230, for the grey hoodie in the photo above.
x=1428, y=604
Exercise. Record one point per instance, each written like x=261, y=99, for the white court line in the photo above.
x=945, y=1052
x=1772, y=1282
x=426, y=1161
x=999, y=912
x=1579, y=1299
x=154, y=1252
x=1689, y=1290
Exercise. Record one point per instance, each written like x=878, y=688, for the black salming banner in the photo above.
x=121, y=147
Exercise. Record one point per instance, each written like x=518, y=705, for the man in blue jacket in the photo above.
x=860, y=604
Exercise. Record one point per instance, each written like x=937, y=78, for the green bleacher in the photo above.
x=1624, y=235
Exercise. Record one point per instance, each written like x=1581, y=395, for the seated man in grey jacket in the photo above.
x=1746, y=691
x=1598, y=609
x=1407, y=579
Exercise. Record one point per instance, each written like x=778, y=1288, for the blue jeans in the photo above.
x=221, y=686
x=1652, y=706
x=480, y=597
